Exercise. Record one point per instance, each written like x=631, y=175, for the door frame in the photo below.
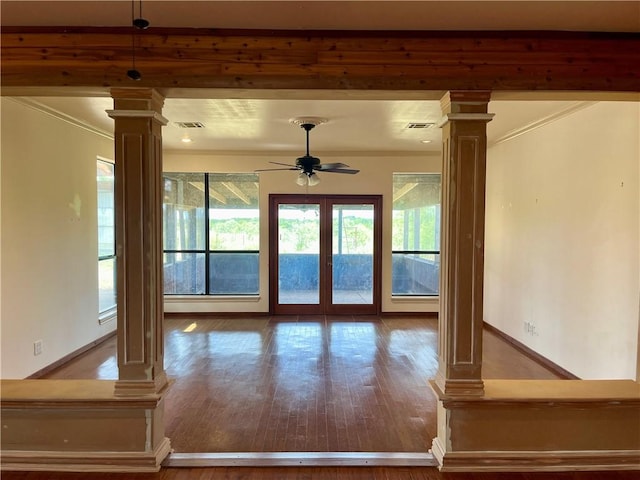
x=325, y=306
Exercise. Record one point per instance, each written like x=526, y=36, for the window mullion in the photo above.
x=207, y=222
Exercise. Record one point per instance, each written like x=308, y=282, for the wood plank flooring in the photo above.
x=317, y=473
x=302, y=383
x=312, y=383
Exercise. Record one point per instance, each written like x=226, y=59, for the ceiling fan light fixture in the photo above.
x=313, y=180
x=307, y=165
x=301, y=179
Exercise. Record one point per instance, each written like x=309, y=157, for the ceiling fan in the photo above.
x=307, y=164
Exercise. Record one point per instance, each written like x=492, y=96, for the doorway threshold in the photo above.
x=301, y=459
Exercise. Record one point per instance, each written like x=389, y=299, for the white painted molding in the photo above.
x=34, y=104
x=570, y=109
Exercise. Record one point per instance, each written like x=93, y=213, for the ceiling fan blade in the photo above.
x=329, y=166
x=275, y=169
x=285, y=164
x=340, y=170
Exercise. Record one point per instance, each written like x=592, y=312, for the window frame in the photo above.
x=207, y=251
x=109, y=313
x=394, y=252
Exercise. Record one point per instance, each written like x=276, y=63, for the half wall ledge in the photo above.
x=80, y=425
x=540, y=425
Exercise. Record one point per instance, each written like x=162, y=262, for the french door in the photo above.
x=324, y=254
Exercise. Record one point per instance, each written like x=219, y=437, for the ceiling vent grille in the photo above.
x=420, y=125
x=189, y=125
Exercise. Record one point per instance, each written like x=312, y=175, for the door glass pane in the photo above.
x=298, y=254
x=352, y=254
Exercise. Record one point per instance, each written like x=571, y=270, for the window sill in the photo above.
x=211, y=298
x=107, y=316
x=415, y=299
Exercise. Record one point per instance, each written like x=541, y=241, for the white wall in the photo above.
x=375, y=177
x=562, y=238
x=49, y=251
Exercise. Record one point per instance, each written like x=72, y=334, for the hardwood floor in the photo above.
x=302, y=383
x=317, y=473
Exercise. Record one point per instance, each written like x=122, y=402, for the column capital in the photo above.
x=137, y=99
x=465, y=101
x=138, y=114
x=475, y=117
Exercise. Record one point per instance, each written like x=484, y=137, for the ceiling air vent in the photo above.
x=420, y=125
x=189, y=125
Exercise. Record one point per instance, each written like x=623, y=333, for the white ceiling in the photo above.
x=357, y=121
x=258, y=125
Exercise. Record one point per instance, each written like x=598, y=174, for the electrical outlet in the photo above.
x=530, y=329
x=37, y=347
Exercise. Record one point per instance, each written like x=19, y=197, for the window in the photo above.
x=106, y=239
x=211, y=234
x=416, y=234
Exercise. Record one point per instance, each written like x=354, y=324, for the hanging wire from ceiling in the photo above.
x=138, y=23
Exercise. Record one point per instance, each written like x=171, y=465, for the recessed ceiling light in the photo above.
x=186, y=140
x=425, y=141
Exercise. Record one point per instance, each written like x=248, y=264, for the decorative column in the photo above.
x=138, y=183
x=462, y=237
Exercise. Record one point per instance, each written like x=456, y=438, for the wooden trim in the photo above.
x=533, y=355
x=86, y=461
x=67, y=358
x=537, y=461
x=48, y=394
x=387, y=315
x=342, y=60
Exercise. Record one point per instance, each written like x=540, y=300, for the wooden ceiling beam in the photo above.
x=205, y=58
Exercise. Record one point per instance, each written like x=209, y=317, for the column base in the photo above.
x=458, y=388
x=141, y=387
